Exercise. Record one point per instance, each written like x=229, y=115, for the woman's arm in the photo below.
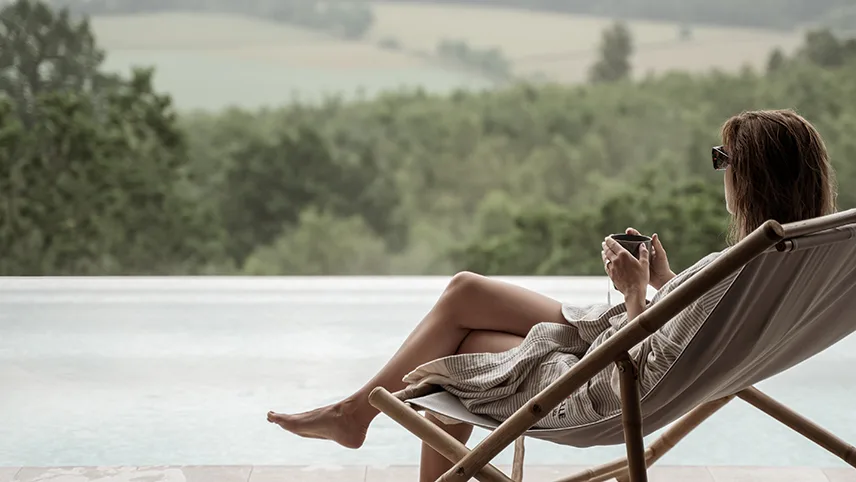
x=635, y=304
x=661, y=281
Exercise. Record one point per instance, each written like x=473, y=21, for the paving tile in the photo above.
x=394, y=473
x=767, y=474
x=536, y=473
x=546, y=473
x=841, y=475
x=8, y=473
x=655, y=474
x=308, y=474
x=100, y=474
x=215, y=473
x=506, y=469
x=405, y=473
x=679, y=474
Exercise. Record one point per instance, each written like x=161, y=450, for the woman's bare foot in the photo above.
x=337, y=422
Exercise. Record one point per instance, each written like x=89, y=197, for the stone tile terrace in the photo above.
x=395, y=474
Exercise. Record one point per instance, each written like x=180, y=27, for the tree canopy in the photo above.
x=93, y=166
x=616, y=51
x=100, y=175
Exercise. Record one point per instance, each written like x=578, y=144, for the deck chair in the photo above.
x=794, y=296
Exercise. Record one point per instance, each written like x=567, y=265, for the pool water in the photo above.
x=159, y=371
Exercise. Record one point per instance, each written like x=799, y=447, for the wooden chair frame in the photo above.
x=475, y=463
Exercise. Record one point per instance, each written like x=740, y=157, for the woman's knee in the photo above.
x=458, y=294
x=461, y=292
x=462, y=283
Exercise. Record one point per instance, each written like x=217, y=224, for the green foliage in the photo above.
x=776, y=61
x=616, y=48
x=269, y=180
x=92, y=172
x=99, y=175
x=320, y=244
x=99, y=188
x=489, y=61
x=688, y=215
x=44, y=51
x=822, y=47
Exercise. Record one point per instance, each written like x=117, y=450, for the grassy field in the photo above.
x=211, y=61
x=564, y=46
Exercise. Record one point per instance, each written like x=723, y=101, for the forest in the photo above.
x=101, y=175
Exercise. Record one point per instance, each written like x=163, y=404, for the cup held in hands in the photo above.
x=631, y=242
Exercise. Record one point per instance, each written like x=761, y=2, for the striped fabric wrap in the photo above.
x=497, y=384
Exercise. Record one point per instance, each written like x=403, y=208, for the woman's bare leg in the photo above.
x=432, y=465
x=469, y=302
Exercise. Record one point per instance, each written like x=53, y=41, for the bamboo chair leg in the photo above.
x=519, y=454
x=800, y=424
x=434, y=436
x=631, y=415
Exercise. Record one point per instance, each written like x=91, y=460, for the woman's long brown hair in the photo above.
x=779, y=170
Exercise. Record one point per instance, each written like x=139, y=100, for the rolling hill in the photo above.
x=212, y=61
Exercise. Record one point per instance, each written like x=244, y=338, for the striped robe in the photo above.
x=497, y=384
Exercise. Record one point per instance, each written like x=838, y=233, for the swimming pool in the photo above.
x=158, y=371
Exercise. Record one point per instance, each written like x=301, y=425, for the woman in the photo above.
x=776, y=167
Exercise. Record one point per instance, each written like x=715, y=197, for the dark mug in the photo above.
x=631, y=242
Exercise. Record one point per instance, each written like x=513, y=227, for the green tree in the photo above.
x=616, y=49
x=490, y=61
x=271, y=180
x=99, y=189
x=823, y=48
x=776, y=61
x=321, y=244
x=93, y=178
x=688, y=215
x=42, y=50
x=269, y=184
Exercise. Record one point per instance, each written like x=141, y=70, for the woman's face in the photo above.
x=729, y=189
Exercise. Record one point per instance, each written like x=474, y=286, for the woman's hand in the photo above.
x=629, y=275
x=660, y=273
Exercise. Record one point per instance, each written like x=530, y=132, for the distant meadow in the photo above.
x=212, y=61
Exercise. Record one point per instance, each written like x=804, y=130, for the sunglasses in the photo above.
x=720, y=158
